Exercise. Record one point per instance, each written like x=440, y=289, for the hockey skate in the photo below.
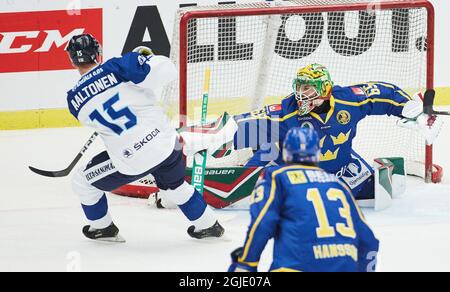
x=109, y=234
x=215, y=231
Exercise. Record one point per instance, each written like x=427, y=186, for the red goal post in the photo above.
x=190, y=16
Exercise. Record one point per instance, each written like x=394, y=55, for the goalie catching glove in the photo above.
x=415, y=119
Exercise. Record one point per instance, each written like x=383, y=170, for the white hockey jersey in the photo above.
x=119, y=99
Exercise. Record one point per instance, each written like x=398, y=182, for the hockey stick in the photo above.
x=199, y=168
x=428, y=104
x=66, y=172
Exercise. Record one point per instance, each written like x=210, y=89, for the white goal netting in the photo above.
x=254, y=58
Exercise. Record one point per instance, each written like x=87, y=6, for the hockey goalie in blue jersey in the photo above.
x=312, y=217
x=334, y=112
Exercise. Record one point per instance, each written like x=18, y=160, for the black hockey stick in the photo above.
x=66, y=172
x=428, y=104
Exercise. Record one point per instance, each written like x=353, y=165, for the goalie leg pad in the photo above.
x=390, y=183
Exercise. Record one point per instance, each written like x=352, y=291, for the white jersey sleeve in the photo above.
x=162, y=72
x=120, y=100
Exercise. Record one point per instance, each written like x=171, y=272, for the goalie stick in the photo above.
x=68, y=170
x=199, y=164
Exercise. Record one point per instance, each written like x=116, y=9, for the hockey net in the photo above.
x=254, y=51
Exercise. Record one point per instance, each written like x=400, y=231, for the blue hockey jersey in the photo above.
x=337, y=128
x=314, y=220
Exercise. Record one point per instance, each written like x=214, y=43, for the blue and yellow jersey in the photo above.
x=314, y=221
x=337, y=128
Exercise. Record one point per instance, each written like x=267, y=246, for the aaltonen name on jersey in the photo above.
x=94, y=88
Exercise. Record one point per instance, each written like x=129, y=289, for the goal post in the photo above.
x=254, y=50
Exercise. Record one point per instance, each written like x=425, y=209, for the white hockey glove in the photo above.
x=416, y=119
x=145, y=51
x=208, y=137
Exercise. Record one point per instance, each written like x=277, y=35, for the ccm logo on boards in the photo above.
x=35, y=41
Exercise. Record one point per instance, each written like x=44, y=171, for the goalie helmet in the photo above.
x=301, y=145
x=84, y=49
x=312, y=86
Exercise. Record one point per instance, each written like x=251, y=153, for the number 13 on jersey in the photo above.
x=325, y=230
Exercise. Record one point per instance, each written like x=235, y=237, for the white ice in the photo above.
x=41, y=219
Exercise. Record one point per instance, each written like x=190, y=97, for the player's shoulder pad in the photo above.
x=130, y=67
x=354, y=93
x=275, y=109
x=287, y=106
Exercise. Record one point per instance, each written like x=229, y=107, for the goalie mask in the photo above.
x=312, y=87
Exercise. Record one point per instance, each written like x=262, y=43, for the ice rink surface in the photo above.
x=41, y=219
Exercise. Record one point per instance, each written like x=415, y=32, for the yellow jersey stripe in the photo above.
x=330, y=113
x=374, y=100
x=285, y=270
x=253, y=265
x=404, y=94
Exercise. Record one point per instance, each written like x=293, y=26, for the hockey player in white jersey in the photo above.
x=119, y=99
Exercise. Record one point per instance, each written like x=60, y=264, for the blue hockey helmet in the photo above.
x=84, y=49
x=301, y=145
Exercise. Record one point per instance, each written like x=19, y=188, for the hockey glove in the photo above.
x=144, y=51
x=415, y=119
x=237, y=266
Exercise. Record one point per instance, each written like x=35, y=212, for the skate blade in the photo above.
x=117, y=239
x=223, y=238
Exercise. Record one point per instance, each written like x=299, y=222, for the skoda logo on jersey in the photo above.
x=307, y=125
x=128, y=153
x=344, y=117
x=147, y=139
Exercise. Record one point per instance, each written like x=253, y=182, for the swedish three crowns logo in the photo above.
x=344, y=117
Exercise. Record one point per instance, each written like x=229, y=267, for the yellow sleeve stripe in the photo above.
x=372, y=100
x=261, y=216
x=404, y=94
x=330, y=113
x=285, y=270
x=253, y=265
x=283, y=119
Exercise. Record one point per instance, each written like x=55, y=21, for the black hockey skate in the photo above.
x=215, y=231
x=109, y=234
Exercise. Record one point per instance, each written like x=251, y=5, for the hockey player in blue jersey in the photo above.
x=312, y=217
x=334, y=112
x=119, y=99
